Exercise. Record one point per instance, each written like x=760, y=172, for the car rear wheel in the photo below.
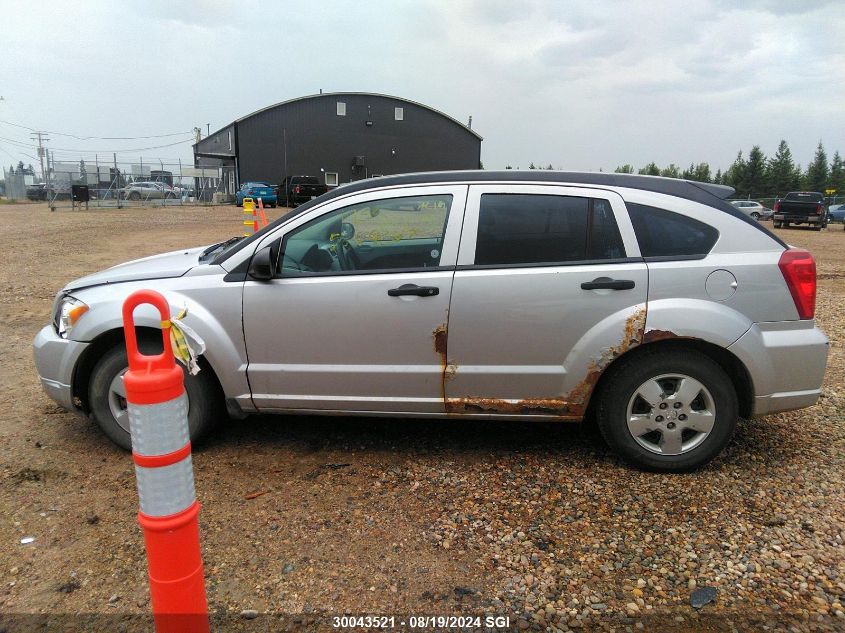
x=107, y=397
x=667, y=410
x=755, y=215
x=134, y=195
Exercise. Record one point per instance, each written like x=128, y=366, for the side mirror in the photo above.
x=261, y=266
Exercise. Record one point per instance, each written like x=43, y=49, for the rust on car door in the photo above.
x=570, y=406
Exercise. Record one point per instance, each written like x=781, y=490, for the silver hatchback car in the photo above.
x=649, y=303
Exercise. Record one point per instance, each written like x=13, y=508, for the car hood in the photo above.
x=173, y=264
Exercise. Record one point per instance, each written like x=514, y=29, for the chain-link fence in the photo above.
x=119, y=184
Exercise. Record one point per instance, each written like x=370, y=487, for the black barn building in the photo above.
x=338, y=137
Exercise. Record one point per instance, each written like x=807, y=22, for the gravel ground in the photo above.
x=311, y=517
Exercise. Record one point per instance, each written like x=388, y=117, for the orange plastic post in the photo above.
x=169, y=508
x=261, y=213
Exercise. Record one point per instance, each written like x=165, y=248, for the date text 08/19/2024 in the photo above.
x=421, y=621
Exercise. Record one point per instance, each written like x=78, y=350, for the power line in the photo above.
x=97, y=138
x=98, y=151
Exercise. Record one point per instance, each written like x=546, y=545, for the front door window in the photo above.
x=375, y=236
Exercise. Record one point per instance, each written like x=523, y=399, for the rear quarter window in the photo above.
x=663, y=233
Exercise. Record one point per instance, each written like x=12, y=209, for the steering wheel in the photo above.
x=347, y=258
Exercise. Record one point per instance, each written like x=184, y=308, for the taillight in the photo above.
x=777, y=206
x=818, y=209
x=799, y=271
x=296, y=189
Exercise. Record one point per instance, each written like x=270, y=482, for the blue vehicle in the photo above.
x=257, y=190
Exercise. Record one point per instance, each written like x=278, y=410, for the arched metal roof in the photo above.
x=366, y=94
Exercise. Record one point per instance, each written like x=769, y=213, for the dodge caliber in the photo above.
x=648, y=304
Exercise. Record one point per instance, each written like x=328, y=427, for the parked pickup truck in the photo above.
x=801, y=207
x=299, y=189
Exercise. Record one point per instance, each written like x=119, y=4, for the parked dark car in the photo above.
x=801, y=207
x=299, y=189
x=38, y=191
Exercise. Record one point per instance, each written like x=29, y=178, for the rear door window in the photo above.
x=531, y=229
x=666, y=234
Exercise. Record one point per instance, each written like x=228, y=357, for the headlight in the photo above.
x=69, y=312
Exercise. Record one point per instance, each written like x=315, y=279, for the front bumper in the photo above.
x=786, y=361
x=55, y=361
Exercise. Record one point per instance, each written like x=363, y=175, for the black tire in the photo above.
x=134, y=195
x=204, y=396
x=755, y=215
x=625, y=379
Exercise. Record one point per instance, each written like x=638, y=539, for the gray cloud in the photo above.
x=579, y=84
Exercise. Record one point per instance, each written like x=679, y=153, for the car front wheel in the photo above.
x=107, y=398
x=667, y=410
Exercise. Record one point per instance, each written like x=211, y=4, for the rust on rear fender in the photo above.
x=659, y=335
x=571, y=406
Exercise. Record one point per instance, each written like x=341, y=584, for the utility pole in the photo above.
x=41, y=138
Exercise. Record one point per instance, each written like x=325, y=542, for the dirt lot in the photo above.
x=537, y=521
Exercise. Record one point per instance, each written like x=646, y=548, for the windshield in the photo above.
x=804, y=196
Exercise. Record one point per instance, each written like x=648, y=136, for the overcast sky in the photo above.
x=582, y=85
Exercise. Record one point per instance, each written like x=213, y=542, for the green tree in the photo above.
x=532, y=166
x=21, y=168
x=817, y=172
x=671, y=171
x=755, y=172
x=798, y=179
x=780, y=171
x=625, y=169
x=650, y=170
x=837, y=174
x=550, y=168
x=735, y=175
x=508, y=167
x=718, y=177
x=701, y=173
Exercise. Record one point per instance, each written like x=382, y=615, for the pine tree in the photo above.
x=550, y=168
x=671, y=171
x=837, y=174
x=796, y=179
x=688, y=172
x=508, y=167
x=780, y=170
x=755, y=172
x=532, y=166
x=817, y=172
x=650, y=170
x=718, y=177
x=701, y=173
x=624, y=169
x=21, y=168
x=735, y=175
